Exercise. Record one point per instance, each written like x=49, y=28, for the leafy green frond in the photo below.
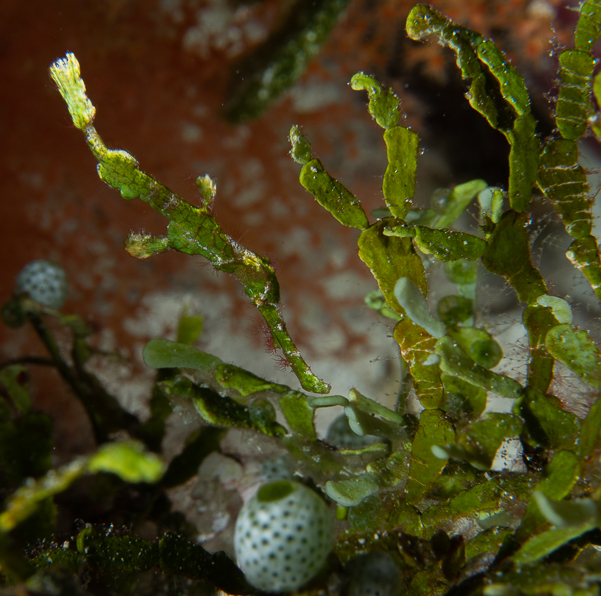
x=496, y=91
x=192, y=230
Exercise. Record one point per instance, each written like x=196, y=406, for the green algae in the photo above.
x=434, y=469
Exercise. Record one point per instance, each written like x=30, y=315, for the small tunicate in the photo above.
x=283, y=536
x=44, y=282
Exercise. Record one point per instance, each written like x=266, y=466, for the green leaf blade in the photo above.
x=547, y=422
x=448, y=245
x=458, y=200
x=434, y=429
x=189, y=328
x=299, y=414
x=591, y=430
x=128, y=461
x=538, y=320
x=563, y=180
x=333, y=196
x=565, y=514
x=399, y=179
x=584, y=255
x=301, y=149
x=577, y=351
x=383, y=104
x=573, y=103
x=524, y=156
x=508, y=254
x=456, y=363
x=417, y=347
x=559, y=478
x=390, y=258
x=511, y=82
x=544, y=544
x=588, y=28
x=350, y=493
x=164, y=353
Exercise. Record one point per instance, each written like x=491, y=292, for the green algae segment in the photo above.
x=434, y=428
x=563, y=180
x=333, y=196
x=573, y=103
x=327, y=191
x=577, y=351
x=588, y=28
